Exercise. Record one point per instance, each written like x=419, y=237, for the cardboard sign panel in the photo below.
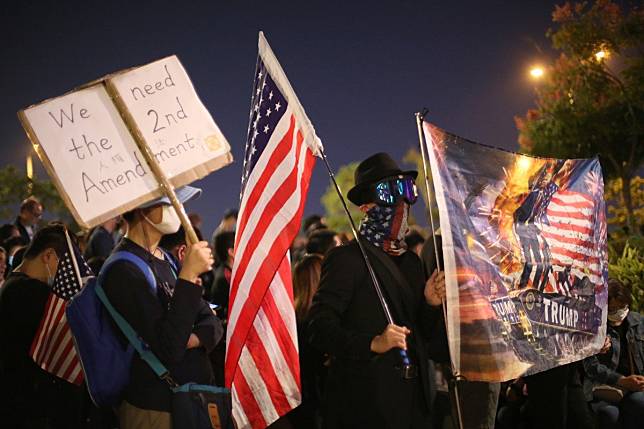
x=170, y=117
x=90, y=140
x=88, y=149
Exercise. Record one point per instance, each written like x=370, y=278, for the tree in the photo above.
x=336, y=217
x=613, y=193
x=15, y=187
x=592, y=99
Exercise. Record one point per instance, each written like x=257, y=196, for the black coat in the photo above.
x=100, y=244
x=165, y=323
x=22, y=230
x=365, y=389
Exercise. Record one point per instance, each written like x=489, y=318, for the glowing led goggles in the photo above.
x=390, y=191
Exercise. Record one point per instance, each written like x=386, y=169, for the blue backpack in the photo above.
x=106, y=363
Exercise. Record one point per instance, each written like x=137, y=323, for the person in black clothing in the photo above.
x=173, y=320
x=367, y=385
x=29, y=396
x=101, y=241
x=175, y=245
x=30, y=214
x=614, y=382
x=7, y=231
x=224, y=244
x=306, y=280
x=530, y=213
x=556, y=399
x=224, y=253
x=322, y=240
x=477, y=400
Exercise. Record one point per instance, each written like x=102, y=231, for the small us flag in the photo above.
x=53, y=347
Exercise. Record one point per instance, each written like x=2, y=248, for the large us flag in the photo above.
x=53, y=346
x=262, y=364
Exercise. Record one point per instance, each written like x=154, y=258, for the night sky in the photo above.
x=361, y=69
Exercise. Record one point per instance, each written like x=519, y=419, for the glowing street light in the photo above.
x=602, y=54
x=537, y=72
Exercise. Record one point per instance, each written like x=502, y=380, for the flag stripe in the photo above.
x=572, y=228
x=257, y=386
x=54, y=336
x=280, y=153
x=257, y=348
x=49, y=325
x=273, y=246
x=52, y=348
x=277, y=243
x=36, y=345
x=249, y=405
x=275, y=229
x=568, y=214
x=258, y=230
x=566, y=240
x=262, y=362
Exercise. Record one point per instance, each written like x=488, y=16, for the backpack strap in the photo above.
x=139, y=345
x=171, y=261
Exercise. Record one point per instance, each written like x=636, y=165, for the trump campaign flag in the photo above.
x=262, y=363
x=524, y=249
x=53, y=346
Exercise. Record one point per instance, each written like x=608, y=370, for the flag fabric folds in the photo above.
x=53, y=347
x=262, y=363
x=525, y=255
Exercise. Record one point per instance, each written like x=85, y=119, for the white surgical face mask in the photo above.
x=170, y=222
x=618, y=316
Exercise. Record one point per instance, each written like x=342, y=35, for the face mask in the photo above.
x=170, y=222
x=618, y=316
x=385, y=227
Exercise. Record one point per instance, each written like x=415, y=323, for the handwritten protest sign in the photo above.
x=87, y=139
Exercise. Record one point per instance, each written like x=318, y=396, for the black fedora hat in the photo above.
x=372, y=170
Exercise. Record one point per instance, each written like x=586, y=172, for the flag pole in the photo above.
x=72, y=256
x=420, y=117
x=166, y=187
x=372, y=273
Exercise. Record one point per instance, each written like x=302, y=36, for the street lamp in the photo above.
x=30, y=172
x=602, y=54
x=537, y=72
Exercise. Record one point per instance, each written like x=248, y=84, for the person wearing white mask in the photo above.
x=173, y=319
x=614, y=382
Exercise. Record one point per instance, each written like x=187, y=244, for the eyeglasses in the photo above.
x=391, y=190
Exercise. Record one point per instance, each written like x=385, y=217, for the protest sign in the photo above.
x=525, y=257
x=91, y=139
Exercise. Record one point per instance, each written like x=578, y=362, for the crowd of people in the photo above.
x=352, y=372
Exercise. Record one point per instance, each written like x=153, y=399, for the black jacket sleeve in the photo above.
x=208, y=327
x=166, y=331
x=340, y=274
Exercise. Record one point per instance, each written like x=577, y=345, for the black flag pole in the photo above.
x=376, y=284
x=420, y=117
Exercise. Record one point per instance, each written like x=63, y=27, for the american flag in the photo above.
x=53, y=346
x=262, y=364
x=569, y=234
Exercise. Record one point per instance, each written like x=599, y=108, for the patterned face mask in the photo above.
x=385, y=227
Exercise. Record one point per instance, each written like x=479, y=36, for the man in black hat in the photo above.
x=367, y=384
